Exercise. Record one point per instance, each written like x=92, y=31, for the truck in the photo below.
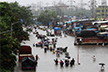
x=25, y=51
x=57, y=31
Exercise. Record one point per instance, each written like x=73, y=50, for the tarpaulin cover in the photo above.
x=77, y=27
x=28, y=61
x=87, y=33
x=73, y=20
x=69, y=22
x=92, y=29
x=57, y=28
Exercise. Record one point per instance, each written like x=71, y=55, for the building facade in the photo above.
x=102, y=12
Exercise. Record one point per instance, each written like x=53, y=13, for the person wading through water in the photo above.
x=56, y=61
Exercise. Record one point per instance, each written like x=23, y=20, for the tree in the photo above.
x=47, y=16
x=22, y=12
x=9, y=45
x=9, y=49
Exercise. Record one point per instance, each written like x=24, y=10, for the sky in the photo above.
x=44, y=2
x=51, y=2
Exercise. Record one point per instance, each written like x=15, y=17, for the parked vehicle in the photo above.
x=57, y=31
x=28, y=63
x=25, y=51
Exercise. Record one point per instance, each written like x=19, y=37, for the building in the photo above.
x=102, y=12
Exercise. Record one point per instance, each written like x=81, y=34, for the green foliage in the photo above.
x=3, y=70
x=6, y=17
x=9, y=48
x=9, y=45
x=47, y=16
x=22, y=12
x=29, y=30
x=65, y=11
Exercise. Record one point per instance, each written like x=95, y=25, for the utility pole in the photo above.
x=54, y=4
x=60, y=6
x=71, y=3
x=40, y=6
x=82, y=4
x=93, y=8
x=12, y=25
x=82, y=8
x=78, y=56
x=104, y=3
x=47, y=5
x=33, y=6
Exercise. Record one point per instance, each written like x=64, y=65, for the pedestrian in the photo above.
x=36, y=62
x=53, y=51
x=53, y=41
x=37, y=57
x=61, y=63
x=65, y=35
x=41, y=45
x=47, y=33
x=94, y=58
x=72, y=62
x=36, y=32
x=66, y=63
x=33, y=44
x=56, y=39
x=65, y=49
x=61, y=36
x=57, y=54
x=45, y=49
x=54, y=45
x=102, y=67
x=56, y=61
x=61, y=52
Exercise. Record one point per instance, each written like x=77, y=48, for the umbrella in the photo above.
x=45, y=46
x=57, y=50
x=39, y=42
x=65, y=59
x=101, y=64
x=46, y=39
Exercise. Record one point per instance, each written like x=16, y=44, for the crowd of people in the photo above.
x=66, y=62
x=51, y=45
x=45, y=45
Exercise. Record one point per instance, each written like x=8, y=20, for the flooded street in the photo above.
x=86, y=52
